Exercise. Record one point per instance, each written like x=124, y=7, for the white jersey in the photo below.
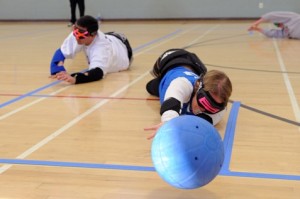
x=290, y=20
x=106, y=52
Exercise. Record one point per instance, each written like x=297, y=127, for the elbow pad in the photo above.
x=57, y=57
x=89, y=76
x=170, y=104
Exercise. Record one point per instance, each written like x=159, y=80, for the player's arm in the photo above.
x=279, y=16
x=178, y=93
x=57, y=61
x=94, y=74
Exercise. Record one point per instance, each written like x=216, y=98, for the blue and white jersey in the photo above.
x=187, y=79
x=179, y=83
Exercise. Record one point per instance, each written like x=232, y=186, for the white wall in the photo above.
x=144, y=9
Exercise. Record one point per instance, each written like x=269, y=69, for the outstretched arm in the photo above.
x=94, y=74
x=254, y=26
x=153, y=128
x=178, y=92
x=272, y=33
x=79, y=78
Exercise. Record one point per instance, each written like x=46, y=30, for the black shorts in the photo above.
x=125, y=41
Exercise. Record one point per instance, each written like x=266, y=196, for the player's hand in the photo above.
x=251, y=28
x=56, y=75
x=153, y=128
x=64, y=76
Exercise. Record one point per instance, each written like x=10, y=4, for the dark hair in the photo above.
x=88, y=22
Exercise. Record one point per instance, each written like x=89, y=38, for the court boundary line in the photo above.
x=225, y=171
x=287, y=82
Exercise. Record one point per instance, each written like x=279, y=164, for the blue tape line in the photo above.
x=261, y=175
x=228, y=145
x=76, y=164
x=28, y=94
x=139, y=168
x=229, y=135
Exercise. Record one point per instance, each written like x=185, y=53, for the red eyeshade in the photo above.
x=205, y=103
x=79, y=34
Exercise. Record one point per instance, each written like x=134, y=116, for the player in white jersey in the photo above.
x=287, y=25
x=105, y=52
x=184, y=86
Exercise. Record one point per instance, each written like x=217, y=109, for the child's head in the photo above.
x=89, y=23
x=218, y=83
x=212, y=92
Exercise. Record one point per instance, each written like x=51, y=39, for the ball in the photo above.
x=187, y=152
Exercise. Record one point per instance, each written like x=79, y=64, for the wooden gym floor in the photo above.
x=60, y=141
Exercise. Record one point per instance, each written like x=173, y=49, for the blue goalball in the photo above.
x=187, y=152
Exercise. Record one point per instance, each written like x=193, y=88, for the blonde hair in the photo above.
x=218, y=83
